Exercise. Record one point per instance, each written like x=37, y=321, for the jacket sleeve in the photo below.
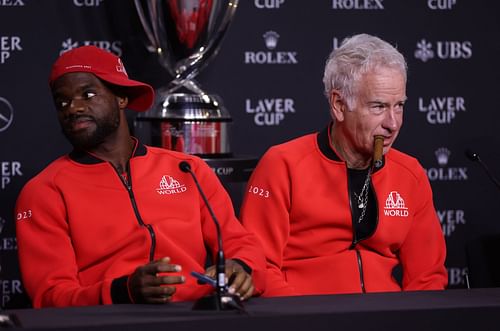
x=423, y=252
x=265, y=212
x=46, y=255
x=238, y=243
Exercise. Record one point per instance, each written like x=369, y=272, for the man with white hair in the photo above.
x=337, y=211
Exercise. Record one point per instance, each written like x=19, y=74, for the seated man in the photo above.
x=115, y=221
x=332, y=220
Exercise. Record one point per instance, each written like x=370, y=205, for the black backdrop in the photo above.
x=451, y=47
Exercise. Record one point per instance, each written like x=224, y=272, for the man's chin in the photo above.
x=83, y=141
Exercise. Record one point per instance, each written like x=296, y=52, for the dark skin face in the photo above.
x=89, y=113
x=92, y=117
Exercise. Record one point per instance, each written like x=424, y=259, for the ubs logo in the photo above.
x=453, y=50
x=111, y=46
x=6, y=114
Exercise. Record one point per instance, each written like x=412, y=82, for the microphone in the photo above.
x=222, y=299
x=473, y=156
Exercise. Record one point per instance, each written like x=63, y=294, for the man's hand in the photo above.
x=146, y=286
x=240, y=282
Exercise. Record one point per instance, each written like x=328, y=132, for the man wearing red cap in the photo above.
x=115, y=221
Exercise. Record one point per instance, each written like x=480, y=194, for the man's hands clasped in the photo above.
x=149, y=284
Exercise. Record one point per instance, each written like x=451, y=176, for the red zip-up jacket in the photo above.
x=82, y=229
x=297, y=203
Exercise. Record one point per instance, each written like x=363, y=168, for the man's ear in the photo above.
x=122, y=102
x=338, y=106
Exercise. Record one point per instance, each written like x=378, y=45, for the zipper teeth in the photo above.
x=149, y=227
x=361, y=275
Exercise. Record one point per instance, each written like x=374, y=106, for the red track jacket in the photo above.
x=80, y=229
x=297, y=203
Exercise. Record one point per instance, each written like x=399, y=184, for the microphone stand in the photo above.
x=221, y=299
x=475, y=157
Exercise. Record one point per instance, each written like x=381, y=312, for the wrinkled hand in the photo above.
x=240, y=282
x=146, y=286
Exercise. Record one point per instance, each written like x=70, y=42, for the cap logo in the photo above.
x=81, y=66
x=121, y=68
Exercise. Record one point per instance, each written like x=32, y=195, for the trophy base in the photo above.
x=190, y=123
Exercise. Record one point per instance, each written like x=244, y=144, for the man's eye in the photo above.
x=62, y=103
x=379, y=107
x=89, y=95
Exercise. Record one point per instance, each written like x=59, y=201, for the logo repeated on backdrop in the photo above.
x=441, y=4
x=269, y=111
x=111, y=46
x=9, y=169
x=11, y=3
x=271, y=39
x=6, y=114
x=9, y=45
x=358, y=4
x=6, y=243
x=450, y=219
x=444, y=50
x=10, y=288
x=87, y=3
x=441, y=110
x=444, y=173
x=269, y=4
x=456, y=276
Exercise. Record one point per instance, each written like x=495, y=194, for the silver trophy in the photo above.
x=186, y=35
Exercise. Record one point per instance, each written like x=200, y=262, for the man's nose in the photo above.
x=76, y=105
x=391, y=120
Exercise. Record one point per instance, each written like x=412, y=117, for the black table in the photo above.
x=475, y=309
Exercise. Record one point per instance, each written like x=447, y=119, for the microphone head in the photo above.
x=184, y=166
x=473, y=156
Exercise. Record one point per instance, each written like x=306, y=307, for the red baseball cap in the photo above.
x=107, y=67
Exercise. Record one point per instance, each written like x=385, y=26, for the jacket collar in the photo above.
x=324, y=141
x=84, y=157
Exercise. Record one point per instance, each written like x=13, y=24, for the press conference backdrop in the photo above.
x=269, y=74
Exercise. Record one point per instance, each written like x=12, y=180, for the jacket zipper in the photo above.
x=355, y=240
x=128, y=185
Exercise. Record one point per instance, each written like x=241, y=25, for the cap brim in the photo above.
x=140, y=95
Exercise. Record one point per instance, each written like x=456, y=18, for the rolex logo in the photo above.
x=271, y=39
x=442, y=155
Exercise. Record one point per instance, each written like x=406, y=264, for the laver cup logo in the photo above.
x=441, y=110
x=7, y=171
x=269, y=111
x=450, y=219
x=8, y=45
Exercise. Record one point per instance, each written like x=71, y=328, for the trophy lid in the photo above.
x=184, y=106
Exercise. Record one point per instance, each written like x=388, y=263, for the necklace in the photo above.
x=362, y=198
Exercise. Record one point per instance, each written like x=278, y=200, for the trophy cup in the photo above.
x=186, y=35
